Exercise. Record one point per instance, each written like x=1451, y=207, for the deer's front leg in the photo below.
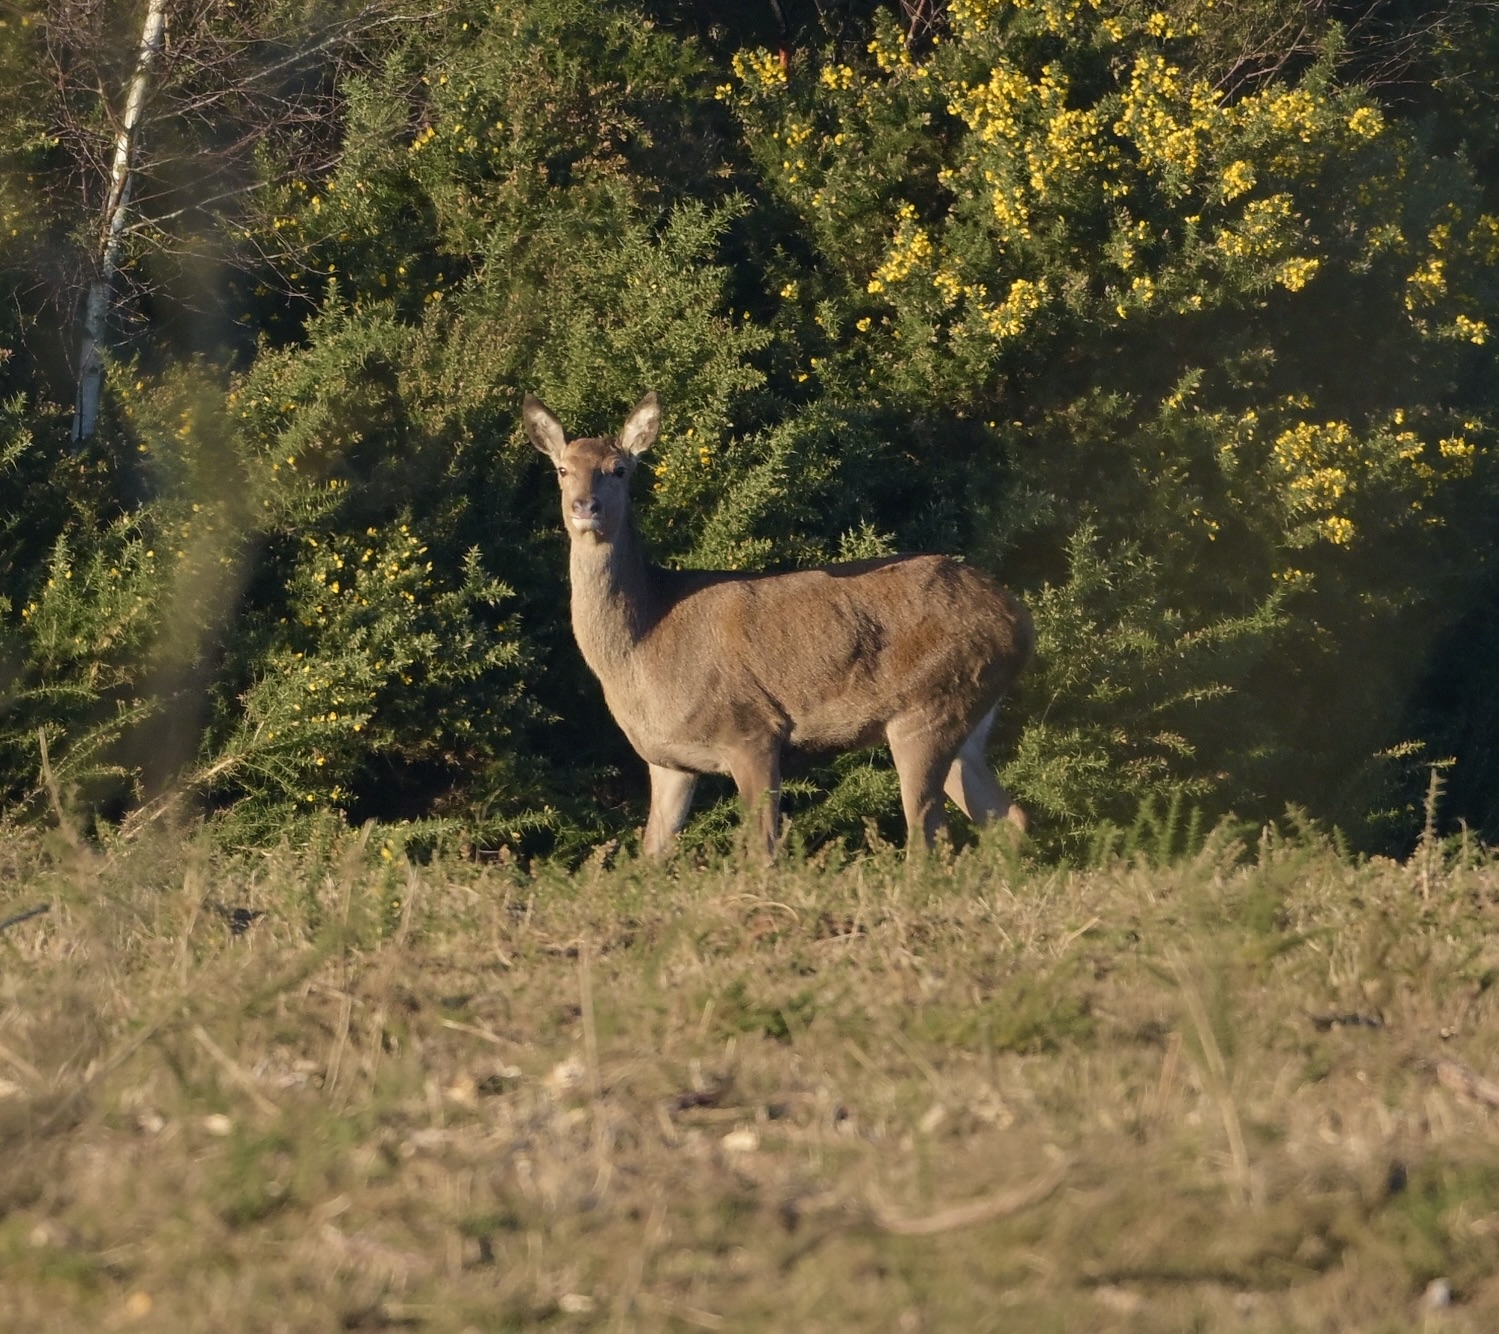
x=671, y=800
x=921, y=762
x=757, y=775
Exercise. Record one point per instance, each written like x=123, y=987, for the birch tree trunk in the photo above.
x=112, y=235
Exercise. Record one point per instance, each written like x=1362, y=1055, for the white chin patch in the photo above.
x=588, y=525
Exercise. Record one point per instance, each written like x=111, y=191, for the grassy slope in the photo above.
x=985, y=1096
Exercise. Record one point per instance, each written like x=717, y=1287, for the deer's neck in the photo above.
x=612, y=599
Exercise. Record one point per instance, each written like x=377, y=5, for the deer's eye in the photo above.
x=619, y=470
x=561, y=471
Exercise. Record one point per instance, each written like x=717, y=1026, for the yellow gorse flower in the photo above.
x=1010, y=318
x=910, y=250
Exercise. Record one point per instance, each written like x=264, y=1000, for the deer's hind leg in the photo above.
x=671, y=800
x=756, y=770
x=972, y=785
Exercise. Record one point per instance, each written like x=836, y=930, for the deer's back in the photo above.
x=823, y=657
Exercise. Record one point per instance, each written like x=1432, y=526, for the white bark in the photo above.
x=112, y=234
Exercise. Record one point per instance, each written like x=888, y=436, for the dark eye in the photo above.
x=561, y=472
x=619, y=469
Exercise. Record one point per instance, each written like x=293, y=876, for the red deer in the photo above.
x=719, y=671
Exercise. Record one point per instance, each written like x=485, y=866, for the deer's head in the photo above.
x=594, y=473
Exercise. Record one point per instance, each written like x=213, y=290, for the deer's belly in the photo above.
x=837, y=730
x=704, y=753
x=657, y=741
x=689, y=758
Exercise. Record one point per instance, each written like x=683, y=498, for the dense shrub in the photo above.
x=1202, y=365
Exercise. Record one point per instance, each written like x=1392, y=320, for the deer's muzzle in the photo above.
x=587, y=516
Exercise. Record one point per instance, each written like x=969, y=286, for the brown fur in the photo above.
x=716, y=672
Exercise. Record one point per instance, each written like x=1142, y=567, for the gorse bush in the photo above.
x=1224, y=364
x=1202, y=366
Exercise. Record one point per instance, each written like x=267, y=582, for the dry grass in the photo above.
x=1232, y=1092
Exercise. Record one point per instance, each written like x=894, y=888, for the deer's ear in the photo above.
x=544, y=429
x=641, y=427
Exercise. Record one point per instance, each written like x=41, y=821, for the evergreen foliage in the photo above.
x=1196, y=354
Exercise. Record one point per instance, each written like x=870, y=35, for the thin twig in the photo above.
x=1466, y=1082
x=1077, y=934
x=346, y=1005
x=975, y=1214
x=54, y=794
x=237, y=1073
x=478, y=1032
x=23, y=1066
x=604, y=1168
x=1217, y=1071
x=1166, y=1084
x=100, y=1070
x=15, y=919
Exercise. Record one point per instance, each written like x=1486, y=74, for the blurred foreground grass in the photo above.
x=1243, y=1091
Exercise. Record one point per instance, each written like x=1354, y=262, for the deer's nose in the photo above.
x=587, y=508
